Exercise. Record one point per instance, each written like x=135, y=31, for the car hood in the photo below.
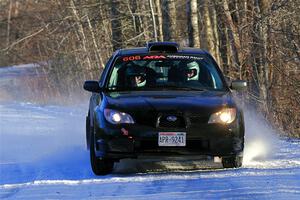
x=169, y=101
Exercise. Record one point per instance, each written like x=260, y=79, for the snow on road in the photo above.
x=43, y=156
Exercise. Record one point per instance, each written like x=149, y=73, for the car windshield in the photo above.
x=164, y=72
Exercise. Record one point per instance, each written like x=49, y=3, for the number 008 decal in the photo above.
x=131, y=58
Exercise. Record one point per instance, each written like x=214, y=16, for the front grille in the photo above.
x=146, y=118
x=198, y=120
x=164, y=122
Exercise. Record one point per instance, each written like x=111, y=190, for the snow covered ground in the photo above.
x=43, y=156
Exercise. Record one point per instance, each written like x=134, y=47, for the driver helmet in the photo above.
x=136, y=76
x=192, y=71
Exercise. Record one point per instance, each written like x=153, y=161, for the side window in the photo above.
x=212, y=76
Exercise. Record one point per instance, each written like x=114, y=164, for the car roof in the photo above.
x=147, y=49
x=143, y=50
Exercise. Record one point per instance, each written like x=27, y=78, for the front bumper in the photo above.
x=131, y=141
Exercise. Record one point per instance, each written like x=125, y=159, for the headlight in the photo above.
x=116, y=117
x=225, y=116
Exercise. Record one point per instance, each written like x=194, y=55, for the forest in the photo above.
x=253, y=40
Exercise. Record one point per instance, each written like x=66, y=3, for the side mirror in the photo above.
x=238, y=85
x=92, y=86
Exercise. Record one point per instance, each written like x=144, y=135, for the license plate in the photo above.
x=171, y=139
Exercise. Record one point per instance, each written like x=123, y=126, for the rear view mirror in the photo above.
x=238, y=85
x=92, y=86
x=166, y=64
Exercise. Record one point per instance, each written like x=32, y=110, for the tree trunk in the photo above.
x=132, y=7
x=106, y=32
x=260, y=52
x=8, y=23
x=234, y=39
x=116, y=25
x=215, y=32
x=169, y=20
x=160, y=20
x=153, y=20
x=99, y=60
x=222, y=30
x=145, y=22
x=82, y=37
x=193, y=27
x=209, y=30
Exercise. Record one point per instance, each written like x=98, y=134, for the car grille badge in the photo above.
x=171, y=118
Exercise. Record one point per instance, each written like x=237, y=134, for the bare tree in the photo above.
x=193, y=26
x=209, y=30
x=169, y=20
x=82, y=35
x=233, y=38
x=116, y=24
x=159, y=19
x=153, y=20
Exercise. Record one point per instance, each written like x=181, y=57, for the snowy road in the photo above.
x=43, y=156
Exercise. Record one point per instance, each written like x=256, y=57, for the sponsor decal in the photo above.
x=160, y=57
x=154, y=57
x=184, y=57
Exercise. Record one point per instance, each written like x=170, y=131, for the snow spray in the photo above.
x=260, y=138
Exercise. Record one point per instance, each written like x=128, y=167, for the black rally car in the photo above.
x=162, y=100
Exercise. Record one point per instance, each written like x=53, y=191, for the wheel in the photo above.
x=100, y=166
x=87, y=131
x=235, y=161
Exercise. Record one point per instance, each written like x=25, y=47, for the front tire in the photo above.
x=235, y=161
x=87, y=131
x=100, y=166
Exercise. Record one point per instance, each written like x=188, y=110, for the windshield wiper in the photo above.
x=161, y=87
x=125, y=89
x=176, y=87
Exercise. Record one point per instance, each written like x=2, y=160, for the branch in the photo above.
x=137, y=36
x=25, y=38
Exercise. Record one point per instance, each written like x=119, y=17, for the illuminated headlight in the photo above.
x=225, y=116
x=116, y=117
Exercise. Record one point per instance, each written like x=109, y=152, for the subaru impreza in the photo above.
x=163, y=100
